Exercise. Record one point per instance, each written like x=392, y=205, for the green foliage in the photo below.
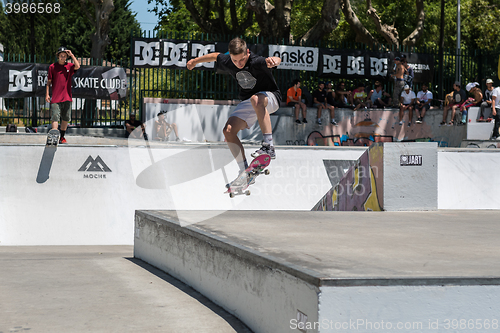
x=479, y=28
x=174, y=17
x=122, y=21
x=76, y=30
x=70, y=28
x=16, y=32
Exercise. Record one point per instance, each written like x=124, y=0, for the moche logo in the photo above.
x=94, y=165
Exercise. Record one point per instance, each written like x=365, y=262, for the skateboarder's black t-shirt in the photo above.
x=252, y=78
x=320, y=95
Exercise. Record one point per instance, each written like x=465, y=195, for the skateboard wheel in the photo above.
x=231, y=194
x=247, y=193
x=267, y=172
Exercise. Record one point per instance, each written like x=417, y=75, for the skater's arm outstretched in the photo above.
x=206, y=58
x=273, y=62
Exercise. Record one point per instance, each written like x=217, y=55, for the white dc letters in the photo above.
x=20, y=81
x=198, y=50
x=175, y=54
x=355, y=65
x=378, y=66
x=149, y=52
x=332, y=64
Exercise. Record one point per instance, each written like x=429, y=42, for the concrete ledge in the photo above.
x=275, y=269
x=190, y=101
x=253, y=287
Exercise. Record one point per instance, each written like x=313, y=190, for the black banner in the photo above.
x=353, y=64
x=19, y=80
x=332, y=63
x=372, y=65
x=170, y=53
x=422, y=64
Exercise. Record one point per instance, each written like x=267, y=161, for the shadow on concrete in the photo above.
x=234, y=322
x=45, y=164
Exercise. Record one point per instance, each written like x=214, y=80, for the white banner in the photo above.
x=296, y=57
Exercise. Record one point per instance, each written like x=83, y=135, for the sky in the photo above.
x=146, y=19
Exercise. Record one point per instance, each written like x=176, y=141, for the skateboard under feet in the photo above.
x=52, y=138
x=256, y=168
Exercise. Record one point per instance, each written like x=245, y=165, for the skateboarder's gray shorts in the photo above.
x=245, y=110
x=61, y=110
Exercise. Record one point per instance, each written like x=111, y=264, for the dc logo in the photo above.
x=332, y=64
x=355, y=65
x=175, y=54
x=198, y=50
x=146, y=53
x=20, y=81
x=378, y=66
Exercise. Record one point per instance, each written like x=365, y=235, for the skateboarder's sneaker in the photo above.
x=62, y=140
x=265, y=149
x=243, y=179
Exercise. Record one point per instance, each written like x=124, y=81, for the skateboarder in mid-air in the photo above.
x=259, y=94
x=59, y=76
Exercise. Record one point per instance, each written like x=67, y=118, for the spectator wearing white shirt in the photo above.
x=486, y=100
x=495, y=111
x=407, y=100
x=423, y=103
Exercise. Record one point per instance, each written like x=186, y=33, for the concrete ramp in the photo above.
x=293, y=271
x=388, y=176
x=86, y=194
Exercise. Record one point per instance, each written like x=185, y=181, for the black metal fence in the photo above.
x=35, y=111
x=476, y=65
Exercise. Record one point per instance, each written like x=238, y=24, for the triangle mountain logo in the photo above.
x=94, y=165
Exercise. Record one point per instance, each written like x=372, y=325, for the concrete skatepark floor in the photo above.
x=99, y=289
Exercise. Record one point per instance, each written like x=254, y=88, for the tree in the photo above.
x=173, y=16
x=389, y=32
x=98, y=13
x=26, y=33
x=276, y=19
x=123, y=21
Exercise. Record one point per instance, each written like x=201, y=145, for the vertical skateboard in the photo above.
x=48, y=156
x=256, y=168
x=52, y=138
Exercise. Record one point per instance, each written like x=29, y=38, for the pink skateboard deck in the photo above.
x=256, y=168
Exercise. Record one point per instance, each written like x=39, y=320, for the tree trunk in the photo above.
x=412, y=39
x=330, y=16
x=283, y=15
x=362, y=35
x=100, y=40
x=389, y=32
x=264, y=14
x=100, y=21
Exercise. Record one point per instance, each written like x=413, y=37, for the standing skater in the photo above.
x=259, y=94
x=60, y=74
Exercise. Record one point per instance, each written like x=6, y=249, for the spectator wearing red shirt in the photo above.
x=60, y=74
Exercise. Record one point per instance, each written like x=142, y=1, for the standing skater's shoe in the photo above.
x=62, y=140
x=265, y=149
